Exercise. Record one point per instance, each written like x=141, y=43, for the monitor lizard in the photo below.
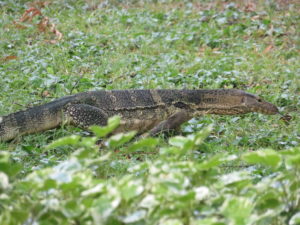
x=141, y=110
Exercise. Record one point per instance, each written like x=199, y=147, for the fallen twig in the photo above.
x=44, y=24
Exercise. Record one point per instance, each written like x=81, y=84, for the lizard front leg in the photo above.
x=84, y=116
x=173, y=122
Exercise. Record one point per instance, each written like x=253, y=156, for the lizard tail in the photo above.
x=29, y=121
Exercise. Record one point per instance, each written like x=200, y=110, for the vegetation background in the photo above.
x=221, y=170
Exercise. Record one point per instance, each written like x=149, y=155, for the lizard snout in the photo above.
x=267, y=108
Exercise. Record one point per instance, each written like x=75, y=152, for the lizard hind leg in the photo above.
x=84, y=116
x=170, y=124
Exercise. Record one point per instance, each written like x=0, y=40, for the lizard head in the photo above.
x=256, y=104
x=233, y=101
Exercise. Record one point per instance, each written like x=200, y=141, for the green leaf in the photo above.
x=291, y=152
x=295, y=220
x=120, y=139
x=147, y=143
x=11, y=169
x=84, y=153
x=49, y=184
x=238, y=179
x=50, y=70
x=237, y=209
x=134, y=217
x=214, y=161
x=208, y=221
x=4, y=157
x=171, y=222
x=203, y=134
x=293, y=161
x=70, y=140
x=62, y=177
x=112, y=124
x=4, y=183
x=131, y=189
x=166, y=151
x=269, y=199
x=267, y=157
x=72, y=208
x=94, y=190
x=103, y=207
x=88, y=142
x=181, y=142
x=19, y=215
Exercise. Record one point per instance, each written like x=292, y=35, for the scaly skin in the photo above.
x=142, y=110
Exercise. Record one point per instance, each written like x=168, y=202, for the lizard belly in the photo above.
x=141, y=120
x=138, y=125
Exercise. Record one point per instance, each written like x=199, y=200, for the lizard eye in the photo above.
x=259, y=100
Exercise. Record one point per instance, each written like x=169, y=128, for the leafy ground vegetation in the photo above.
x=220, y=170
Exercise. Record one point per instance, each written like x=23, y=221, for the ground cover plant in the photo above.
x=219, y=170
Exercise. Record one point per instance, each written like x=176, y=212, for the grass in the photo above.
x=144, y=44
x=249, y=45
